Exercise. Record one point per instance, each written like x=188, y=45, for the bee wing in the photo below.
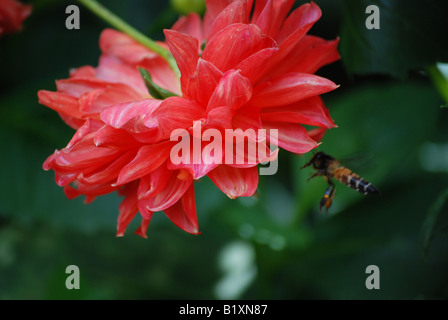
x=359, y=160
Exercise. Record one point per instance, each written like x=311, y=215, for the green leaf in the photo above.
x=154, y=90
x=412, y=36
x=436, y=220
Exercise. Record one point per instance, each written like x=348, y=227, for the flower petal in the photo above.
x=291, y=137
x=290, y=88
x=183, y=212
x=63, y=104
x=233, y=91
x=174, y=113
x=235, y=43
x=141, y=231
x=185, y=50
x=109, y=137
x=197, y=162
x=235, y=182
x=203, y=82
x=311, y=111
x=147, y=160
x=236, y=12
x=272, y=16
x=253, y=66
x=129, y=54
x=154, y=183
x=130, y=116
x=83, y=155
x=122, y=46
x=109, y=173
x=215, y=7
x=309, y=55
x=128, y=208
x=173, y=191
x=297, y=24
x=114, y=70
x=191, y=25
x=90, y=191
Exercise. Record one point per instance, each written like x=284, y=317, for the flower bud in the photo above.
x=185, y=7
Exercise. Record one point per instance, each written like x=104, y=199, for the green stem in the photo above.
x=440, y=82
x=121, y=25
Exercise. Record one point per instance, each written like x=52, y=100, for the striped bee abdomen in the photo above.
x=354, y=181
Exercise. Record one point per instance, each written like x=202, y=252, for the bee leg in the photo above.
x=307, y=164
x=328, y=196
x=313, y=176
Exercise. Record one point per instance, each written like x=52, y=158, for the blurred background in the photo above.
x=392, y=131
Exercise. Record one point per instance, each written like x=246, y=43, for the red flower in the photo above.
x=255, y=72
x=12, y=14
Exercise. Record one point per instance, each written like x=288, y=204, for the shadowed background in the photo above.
x=276, y=246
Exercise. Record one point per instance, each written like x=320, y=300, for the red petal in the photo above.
x=317, y=134
x=128, y=208
x=112, y=69
x=147, y=160
x=130, y=116
x=120, y=45
x=273, y=15
x=12, y=14
x=129, y=55
x=89, y=126
x=203, y=82
x=235, y=43
x=61, y=103
x=298, y=23
x=215, y=7
x=90, y=191
x=235, y=182
x=196, y=162
x=191, y=25
x=289, y=88
x=236, y=12
x=145, y=213
x=110, y=172
x=141, y=231
x=173, y=191
x=83, y=72
x=183, y=213
x=293, y=30
x=77, y=86
x=247, y=118
x=309, y=55
x=311, y=111
x=233, y=91
x=154, y=183
x=252, y=67
x=291, y=137
x=84, y=154
x=220, y=118
x=185, y=50
x=174, y=113
x=320, y=53
x=109, y=137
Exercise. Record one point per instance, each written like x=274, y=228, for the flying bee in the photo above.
x=329, y=167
